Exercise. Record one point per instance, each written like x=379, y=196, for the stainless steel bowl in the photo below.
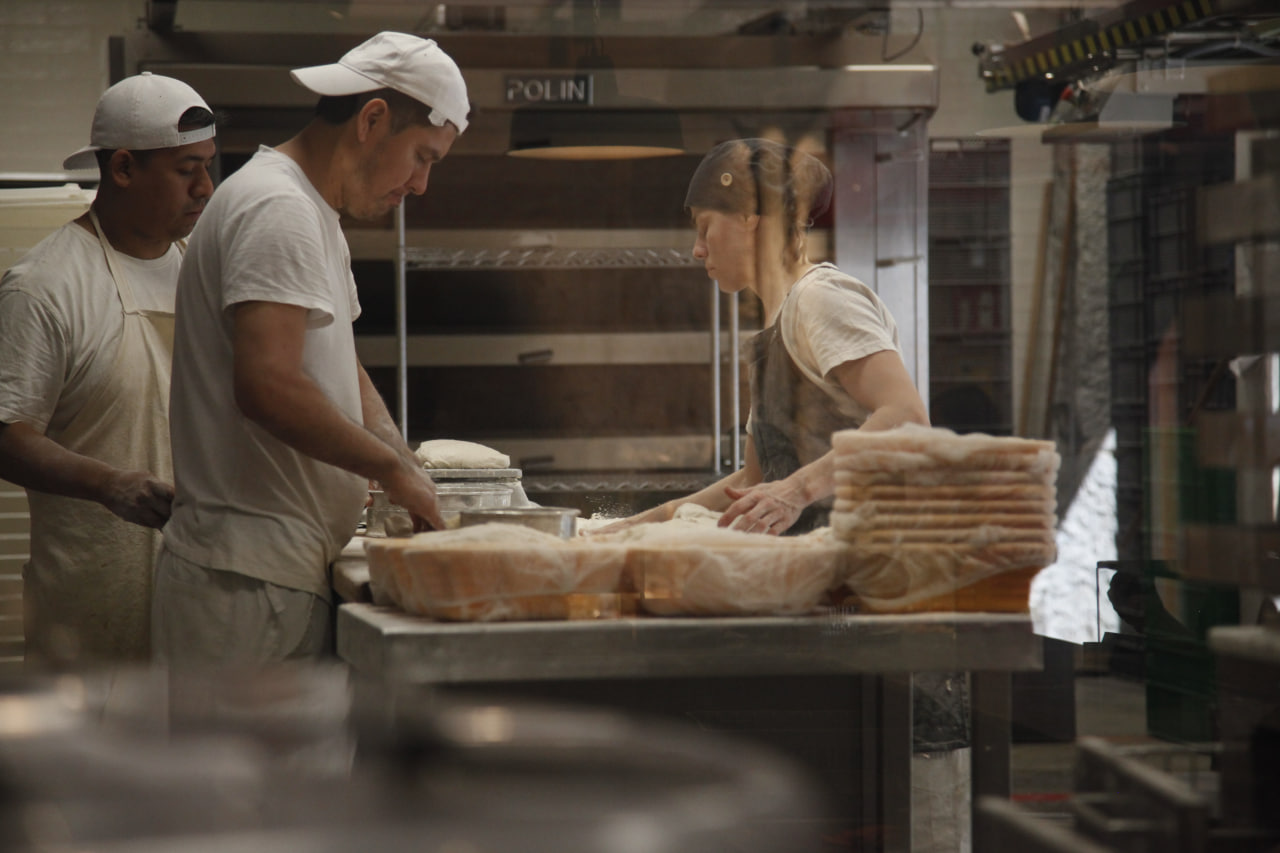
x=556, y=520
x=453, y=499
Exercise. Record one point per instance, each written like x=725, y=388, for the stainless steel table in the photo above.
x=887, y=649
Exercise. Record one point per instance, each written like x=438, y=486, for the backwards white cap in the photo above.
x=411, y=65
x=140, y=113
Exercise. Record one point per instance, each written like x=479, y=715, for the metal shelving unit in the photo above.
x=575, y=251
x=971, y=388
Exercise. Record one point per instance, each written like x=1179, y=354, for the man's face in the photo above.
x=170, y=188
x=393, y=165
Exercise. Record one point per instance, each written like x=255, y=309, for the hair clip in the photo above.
x=726, y=179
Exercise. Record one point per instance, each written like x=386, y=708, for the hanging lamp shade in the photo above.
x=595, y=134
x=624, y=128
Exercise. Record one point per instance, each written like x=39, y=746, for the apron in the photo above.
x=791, y=419
x=88, y=583
x=791, y=424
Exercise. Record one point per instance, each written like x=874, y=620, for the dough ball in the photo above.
x=451, y=453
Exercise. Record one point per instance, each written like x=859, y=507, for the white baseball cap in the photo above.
x=140, y=113
x=411, y=65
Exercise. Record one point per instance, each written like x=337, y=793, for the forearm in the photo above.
x=712, y=497
x=34, y=461
x=377, y=418
x=812, y=482
x=896, y=414
x=816, y=481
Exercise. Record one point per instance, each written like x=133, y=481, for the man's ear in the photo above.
x=122, y=167
x=373, y=113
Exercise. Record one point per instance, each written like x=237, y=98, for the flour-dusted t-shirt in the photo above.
x=246, y=502
x=829, y=318
x=61, y=322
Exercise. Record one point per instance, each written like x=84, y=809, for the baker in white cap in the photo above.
x=86, y=341
x=276, y=428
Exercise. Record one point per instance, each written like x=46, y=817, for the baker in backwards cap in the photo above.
x=277, y=429
x=86, y=341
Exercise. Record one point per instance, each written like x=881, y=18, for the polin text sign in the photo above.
x=549, y=89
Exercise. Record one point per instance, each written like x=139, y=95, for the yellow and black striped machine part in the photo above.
x=1099, y=44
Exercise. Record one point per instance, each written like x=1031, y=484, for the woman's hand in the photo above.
x=764, y=508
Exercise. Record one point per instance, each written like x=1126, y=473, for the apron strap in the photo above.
x=122, y=283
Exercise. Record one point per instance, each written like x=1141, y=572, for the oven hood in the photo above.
x=797, y=84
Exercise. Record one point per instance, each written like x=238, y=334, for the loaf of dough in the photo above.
x=451, y=453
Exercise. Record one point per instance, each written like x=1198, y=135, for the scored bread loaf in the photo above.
x=691, y=567
x=495, y=572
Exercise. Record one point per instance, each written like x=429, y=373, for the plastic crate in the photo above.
x=1129, y=413
x=973, y=261
x=1207, y=386
x=1126, y=323
x=968, y=210
x=1124, y=240
x=1163, y=314
x=969, y=162
x=1129, y=375
x=1126, y=158
x=1126, y=282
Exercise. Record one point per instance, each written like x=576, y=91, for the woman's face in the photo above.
x=725, y=243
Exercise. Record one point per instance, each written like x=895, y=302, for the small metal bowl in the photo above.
x=556, y=520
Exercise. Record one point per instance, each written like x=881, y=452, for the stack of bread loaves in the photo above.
x=940, y=521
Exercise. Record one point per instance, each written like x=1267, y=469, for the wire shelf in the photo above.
x=631, y=482
x=548, y=257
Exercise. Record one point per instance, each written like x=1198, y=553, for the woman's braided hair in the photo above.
x=766, y=178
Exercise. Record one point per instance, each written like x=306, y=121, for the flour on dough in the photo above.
x=451, y=453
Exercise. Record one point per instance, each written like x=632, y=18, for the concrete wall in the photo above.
x=53, y=67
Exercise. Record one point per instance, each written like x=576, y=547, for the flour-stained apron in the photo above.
x=88, y=583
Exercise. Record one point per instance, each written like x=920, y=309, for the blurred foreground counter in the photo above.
x=831, y=690
x=312, y=758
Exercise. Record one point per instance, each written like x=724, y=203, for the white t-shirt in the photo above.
x=247, y=502
x=61, y=322
x=829, y=318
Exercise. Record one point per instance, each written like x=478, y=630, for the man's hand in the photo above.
x=764, y=508
x=138, y=497
x=411, y=487
x=34, y=461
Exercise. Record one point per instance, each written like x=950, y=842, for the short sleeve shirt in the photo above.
x=247, y=502
x=61, y=322
x=830, y=318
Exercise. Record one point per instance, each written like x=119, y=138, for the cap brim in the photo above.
x=85, y=158
x=334, y=79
